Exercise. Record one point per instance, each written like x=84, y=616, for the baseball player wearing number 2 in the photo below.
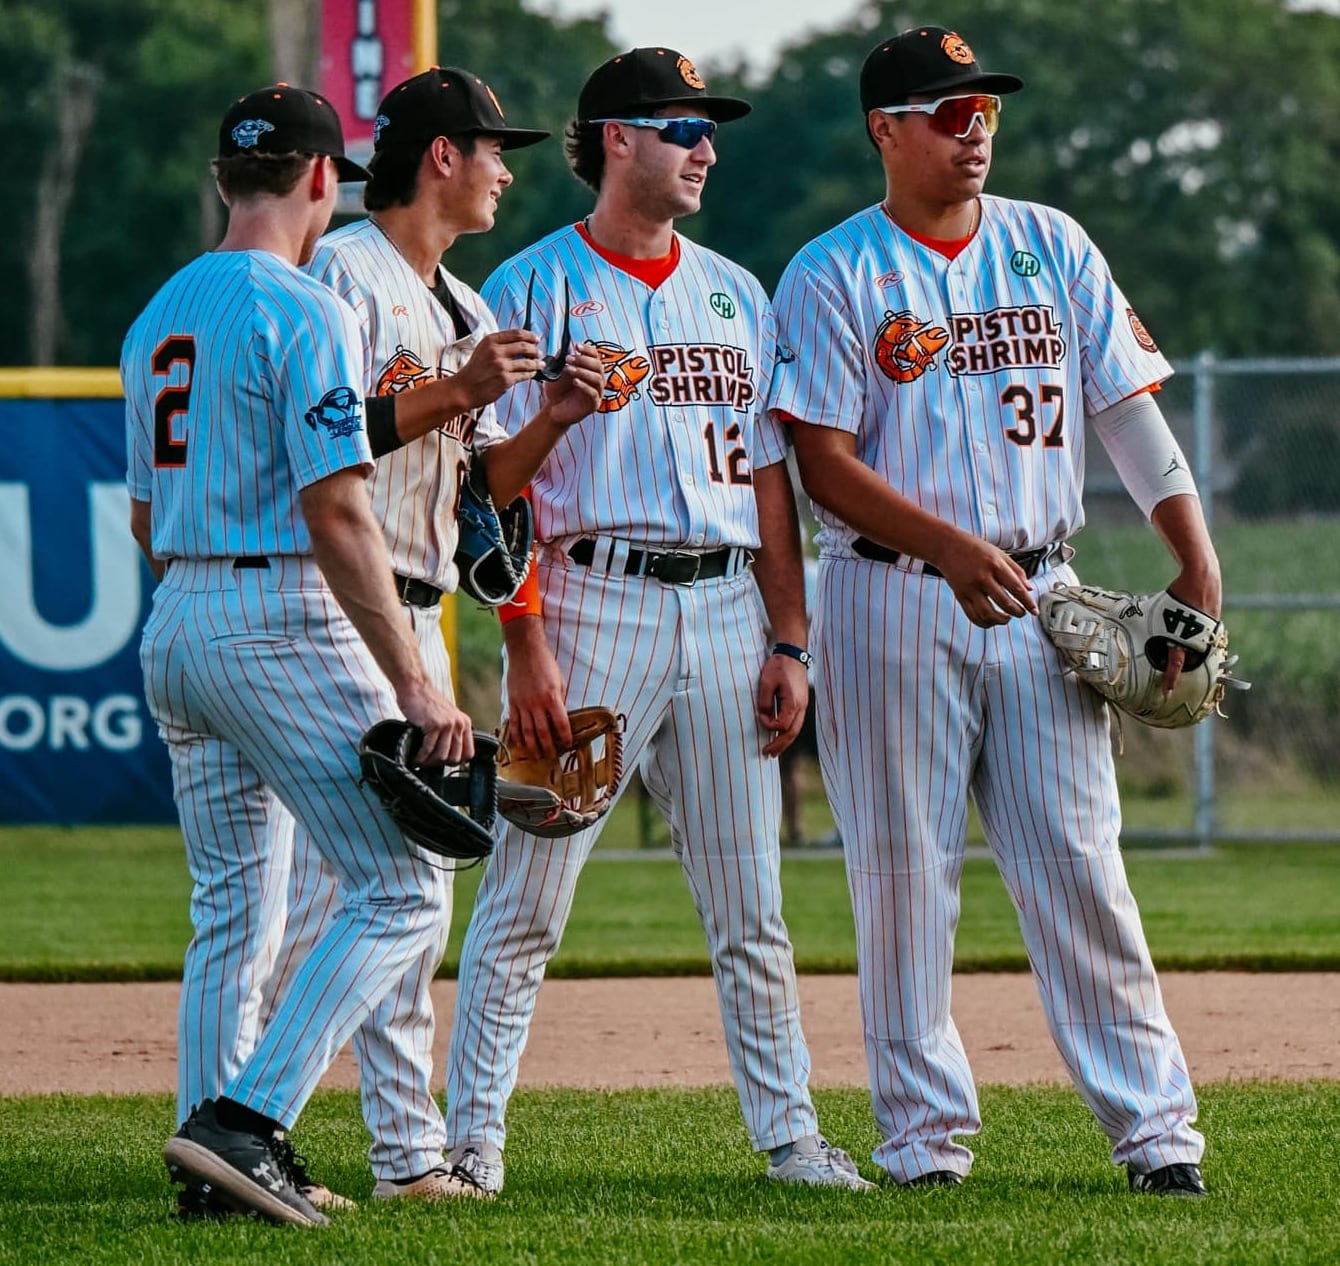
x=647, y=516
x=952, y=348
x=275, y=640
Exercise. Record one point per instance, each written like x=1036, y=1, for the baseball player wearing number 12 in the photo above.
x=648, y=515
x=949, y=347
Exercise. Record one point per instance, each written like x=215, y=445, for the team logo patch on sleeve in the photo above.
x=906, y=346
x=340, y=411
x=1142, y=335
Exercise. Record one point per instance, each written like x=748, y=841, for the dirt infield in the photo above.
x=86, y=1039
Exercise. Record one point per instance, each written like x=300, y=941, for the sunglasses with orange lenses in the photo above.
x=955, y=116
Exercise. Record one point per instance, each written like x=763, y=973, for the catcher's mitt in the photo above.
x=571, y=791
x=424, y=801
x=492, y=549
x=1118, y=643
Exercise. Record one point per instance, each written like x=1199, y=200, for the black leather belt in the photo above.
x=672, y=568
x=1031, y=560
x=418, y=593
x=251, y=562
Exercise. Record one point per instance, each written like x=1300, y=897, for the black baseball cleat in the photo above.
x=935, y=1178
x=1172, y=1180
x=249, y=1173
x=199, y=1204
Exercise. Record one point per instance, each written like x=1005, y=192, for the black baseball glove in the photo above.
x=448, y=810
x=492, y=549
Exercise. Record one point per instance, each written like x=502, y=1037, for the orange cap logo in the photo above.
x=688, y=72
x=957, y=50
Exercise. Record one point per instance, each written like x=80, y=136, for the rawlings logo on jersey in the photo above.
x=1004, y=338
x=402, y=371
x=624, y=371
x=340, y=411
x=700, y=373
x=906, y=346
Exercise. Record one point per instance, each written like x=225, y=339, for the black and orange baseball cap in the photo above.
x=444, y=101
x=285, y=120
x=925, y=60
x=645, y=79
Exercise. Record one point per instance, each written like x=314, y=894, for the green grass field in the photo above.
x=112, y=904
x=667, y=1177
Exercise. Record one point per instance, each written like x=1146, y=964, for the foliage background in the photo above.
x=1196, y=140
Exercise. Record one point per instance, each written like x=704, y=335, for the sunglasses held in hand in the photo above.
x=553, y=365
x=685, y=133
x=955, y=116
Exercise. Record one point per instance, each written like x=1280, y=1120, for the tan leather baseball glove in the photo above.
x=1118, y=643
x=565, y=794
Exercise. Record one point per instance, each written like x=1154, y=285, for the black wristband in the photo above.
x=792, y=651
x=382, y=434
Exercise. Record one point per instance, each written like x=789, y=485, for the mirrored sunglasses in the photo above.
x=683, y=132
x=955, y=116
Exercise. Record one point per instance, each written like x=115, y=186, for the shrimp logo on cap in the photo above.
x=906, y=346
x=688, y=72
x=624, y=370
x=956, y=49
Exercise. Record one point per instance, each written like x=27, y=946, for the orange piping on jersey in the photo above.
x=949, y=247
x=651, y=272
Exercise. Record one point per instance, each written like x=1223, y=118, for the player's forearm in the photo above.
x=845, y=486
x=512, y=463
x=779, y=567
x=413, y=413
x=351, y=552
x=1180, y=521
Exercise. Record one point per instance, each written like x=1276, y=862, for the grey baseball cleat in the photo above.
x=472, y=1165
x=250, y=1173
x=815, y=1163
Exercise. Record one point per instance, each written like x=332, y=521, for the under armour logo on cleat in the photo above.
x=265, y=1173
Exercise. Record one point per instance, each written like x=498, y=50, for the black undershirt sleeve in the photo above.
x=382, y=435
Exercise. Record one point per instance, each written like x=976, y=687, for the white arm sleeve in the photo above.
x=1142, y=448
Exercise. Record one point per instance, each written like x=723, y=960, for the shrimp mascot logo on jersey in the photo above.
x=249, y=131
x=401, y=372
x=624, y=371
x=688, y=72
x=338, y=411
x=956, y=49
x=906, y=346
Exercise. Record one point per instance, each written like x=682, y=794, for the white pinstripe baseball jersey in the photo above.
x=964, y=380
x=965, y=383
x=668, y=460
x=227, y=482
x=688, y=364
x=412, y=339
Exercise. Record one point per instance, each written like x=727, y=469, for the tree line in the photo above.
x=1196, y=140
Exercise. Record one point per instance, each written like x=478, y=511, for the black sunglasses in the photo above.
x=553, y=365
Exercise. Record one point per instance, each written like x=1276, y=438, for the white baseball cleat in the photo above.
x=479, y=1165
x=814, y=1163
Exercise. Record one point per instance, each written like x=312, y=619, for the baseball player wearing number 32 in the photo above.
x=950, y=348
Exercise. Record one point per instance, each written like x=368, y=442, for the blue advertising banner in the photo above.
x=76, y=741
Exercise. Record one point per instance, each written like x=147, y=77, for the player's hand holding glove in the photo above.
x=1118, y=643
x=493, y=548
x=446, y=809
x=566, y=793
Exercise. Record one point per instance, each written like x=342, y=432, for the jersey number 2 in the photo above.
x=1026, y=420
x=172, y=402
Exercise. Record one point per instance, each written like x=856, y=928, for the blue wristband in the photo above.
x=793, y=652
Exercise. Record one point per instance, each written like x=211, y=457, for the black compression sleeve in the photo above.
x=382, y=436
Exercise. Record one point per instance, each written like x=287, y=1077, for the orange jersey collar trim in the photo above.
x=651, y=272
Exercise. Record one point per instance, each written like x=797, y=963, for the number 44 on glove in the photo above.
x=1118, y=643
